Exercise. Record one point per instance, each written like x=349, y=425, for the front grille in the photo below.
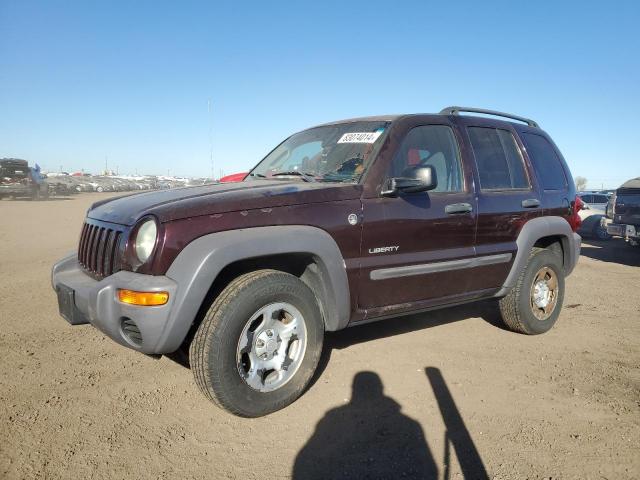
x=99, y=249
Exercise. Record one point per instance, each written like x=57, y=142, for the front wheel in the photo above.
x=259, y=343
x=533, y=305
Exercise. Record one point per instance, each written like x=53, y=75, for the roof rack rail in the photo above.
x=457, y=110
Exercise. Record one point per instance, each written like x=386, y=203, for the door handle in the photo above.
x=458, y=208
x=531, y=203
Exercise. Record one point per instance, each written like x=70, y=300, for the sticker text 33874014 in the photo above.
x=360, y=137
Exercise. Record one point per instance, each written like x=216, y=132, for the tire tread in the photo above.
x=509, y=310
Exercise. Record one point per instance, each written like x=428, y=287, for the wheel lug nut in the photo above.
x=269, y=333
x=260, y=343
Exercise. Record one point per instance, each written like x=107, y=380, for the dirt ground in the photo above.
x=448, y=393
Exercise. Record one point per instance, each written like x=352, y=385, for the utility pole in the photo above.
x=210, y=136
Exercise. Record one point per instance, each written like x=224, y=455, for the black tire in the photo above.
x=516, y=308
x=600, y=232
x=212, y=353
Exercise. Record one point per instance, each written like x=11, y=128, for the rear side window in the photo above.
x=498, y=157
x=545, y=161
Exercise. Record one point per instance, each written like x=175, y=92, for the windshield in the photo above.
x=333, y=153
x=628, y=199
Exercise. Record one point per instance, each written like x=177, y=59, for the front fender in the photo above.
x=200, y=262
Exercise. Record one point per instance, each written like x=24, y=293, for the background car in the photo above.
x=597, y=201
x=234, y=177
x=592, y=212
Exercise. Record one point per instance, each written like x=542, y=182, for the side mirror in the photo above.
x=421, y=179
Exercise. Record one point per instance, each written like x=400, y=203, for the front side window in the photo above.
x=332, y=153
x=500, y=164
x=545, y=162
x=430, y=145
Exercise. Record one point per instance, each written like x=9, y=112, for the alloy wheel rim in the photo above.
x=271, y=347
x=544, y=293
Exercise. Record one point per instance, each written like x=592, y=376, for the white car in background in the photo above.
x=596, y=201
x=594, y=209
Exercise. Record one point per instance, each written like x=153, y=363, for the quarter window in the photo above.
x=430, y=145
x=545, y=161
x=498, y=157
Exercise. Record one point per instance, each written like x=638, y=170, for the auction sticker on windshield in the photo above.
x=360, y=137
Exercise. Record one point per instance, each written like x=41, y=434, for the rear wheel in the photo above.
x=533, y=305
x=259, y=343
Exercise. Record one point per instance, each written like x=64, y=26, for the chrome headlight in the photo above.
x=145, y=240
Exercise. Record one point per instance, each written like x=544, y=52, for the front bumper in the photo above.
x=82, y=299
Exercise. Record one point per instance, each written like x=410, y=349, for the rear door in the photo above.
x=415, y=244
x=507, y=198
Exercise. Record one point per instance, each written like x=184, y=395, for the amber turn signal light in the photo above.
x=146, y=299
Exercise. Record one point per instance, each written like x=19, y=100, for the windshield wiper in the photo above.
x=257, y=175
x=307, y=177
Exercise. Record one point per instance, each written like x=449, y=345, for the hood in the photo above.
x=175, y=204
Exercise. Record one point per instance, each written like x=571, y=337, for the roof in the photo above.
x=633, y=183
x=445, y=111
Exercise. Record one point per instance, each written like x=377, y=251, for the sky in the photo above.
x=154, y=87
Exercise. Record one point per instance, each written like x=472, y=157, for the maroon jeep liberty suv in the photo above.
x=341, y=224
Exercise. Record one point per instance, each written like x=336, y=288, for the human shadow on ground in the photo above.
x=456, y=434
x=370, y=437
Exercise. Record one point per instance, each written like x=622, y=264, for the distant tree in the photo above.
x=581, y=183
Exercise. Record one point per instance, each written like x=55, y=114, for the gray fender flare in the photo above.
x=199, y=263
x=531, y=232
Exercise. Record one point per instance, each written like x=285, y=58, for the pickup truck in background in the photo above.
x=17, y=179
x=623, y=212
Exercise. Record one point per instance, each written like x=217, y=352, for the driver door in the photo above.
x=416, y=245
